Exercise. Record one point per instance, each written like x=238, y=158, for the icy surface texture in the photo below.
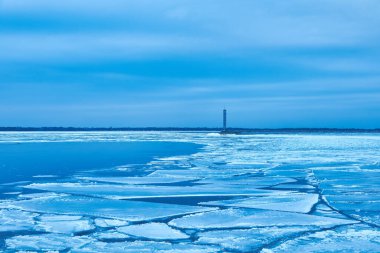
x=95, y=207
x=153, y=231
x=14, y=220
x=239, y=193
x=230, y=218
x=348, y=239
x=291, y=202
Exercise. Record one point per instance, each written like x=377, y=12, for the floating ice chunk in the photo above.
x=248, y=240
x=64, y=224
x=45, y=242
x=112, y=235
x=230, y=218
x=113, y=209
x=291, y=202
x=137, y=180
x=41, y=195
x=11, y=193
x=254, y=182
x=16, y=220
x=45, y=176
x=154, y=230
x=145, y=247
x=199, y=172
x=323, y=210
x=106, y=223
x=190, y=248
x=143, y=191
x=357, y=238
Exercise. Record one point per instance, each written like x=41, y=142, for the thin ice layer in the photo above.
x=254, y=182
x=118, y=209
x=287, y=201
x=137, y=180
x=141, y=191
x=230, y=218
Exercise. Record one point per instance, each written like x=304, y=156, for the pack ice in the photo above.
x=238, y=193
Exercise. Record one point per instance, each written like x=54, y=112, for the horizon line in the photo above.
x=230, y=129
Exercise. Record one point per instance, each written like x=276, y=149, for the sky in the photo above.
x=178, y=63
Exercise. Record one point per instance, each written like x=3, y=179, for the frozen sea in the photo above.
x=189, y=192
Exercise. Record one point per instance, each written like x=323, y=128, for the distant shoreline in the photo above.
x=190, y=129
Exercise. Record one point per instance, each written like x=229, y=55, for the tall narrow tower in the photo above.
x=224, y=120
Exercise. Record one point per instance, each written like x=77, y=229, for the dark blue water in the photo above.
x=22, y=161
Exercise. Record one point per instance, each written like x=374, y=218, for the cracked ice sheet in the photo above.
x=64, y=224
x=201, y=173
x=16, y=220
x=45, y=242
x=289, y=201
x=138, y=180
x=118, y=209
x=358, y=238
x=155, y=231
x=249, y=240
x=111, y=235
x=142, y=191
x=145, y=247
x=230, y=218
x=108, y=223
x=256, y=182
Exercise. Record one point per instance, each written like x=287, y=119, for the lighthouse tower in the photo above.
x=224, y=120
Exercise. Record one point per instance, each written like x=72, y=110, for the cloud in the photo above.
x=277, y=58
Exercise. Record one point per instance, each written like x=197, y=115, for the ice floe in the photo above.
x=142, y=191
x=16, y=220
x=357, y=238
x=137, y=180
x=239, y=193
x=230, y=218
x=64, y=224
x=46, y=242
x=118, y=209
x=107, y=223
x=284, y=201
x=112, y=235
x=159, y=231
x=145, y=247
x=249, y=240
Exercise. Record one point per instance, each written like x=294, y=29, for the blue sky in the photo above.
x=272, y=64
